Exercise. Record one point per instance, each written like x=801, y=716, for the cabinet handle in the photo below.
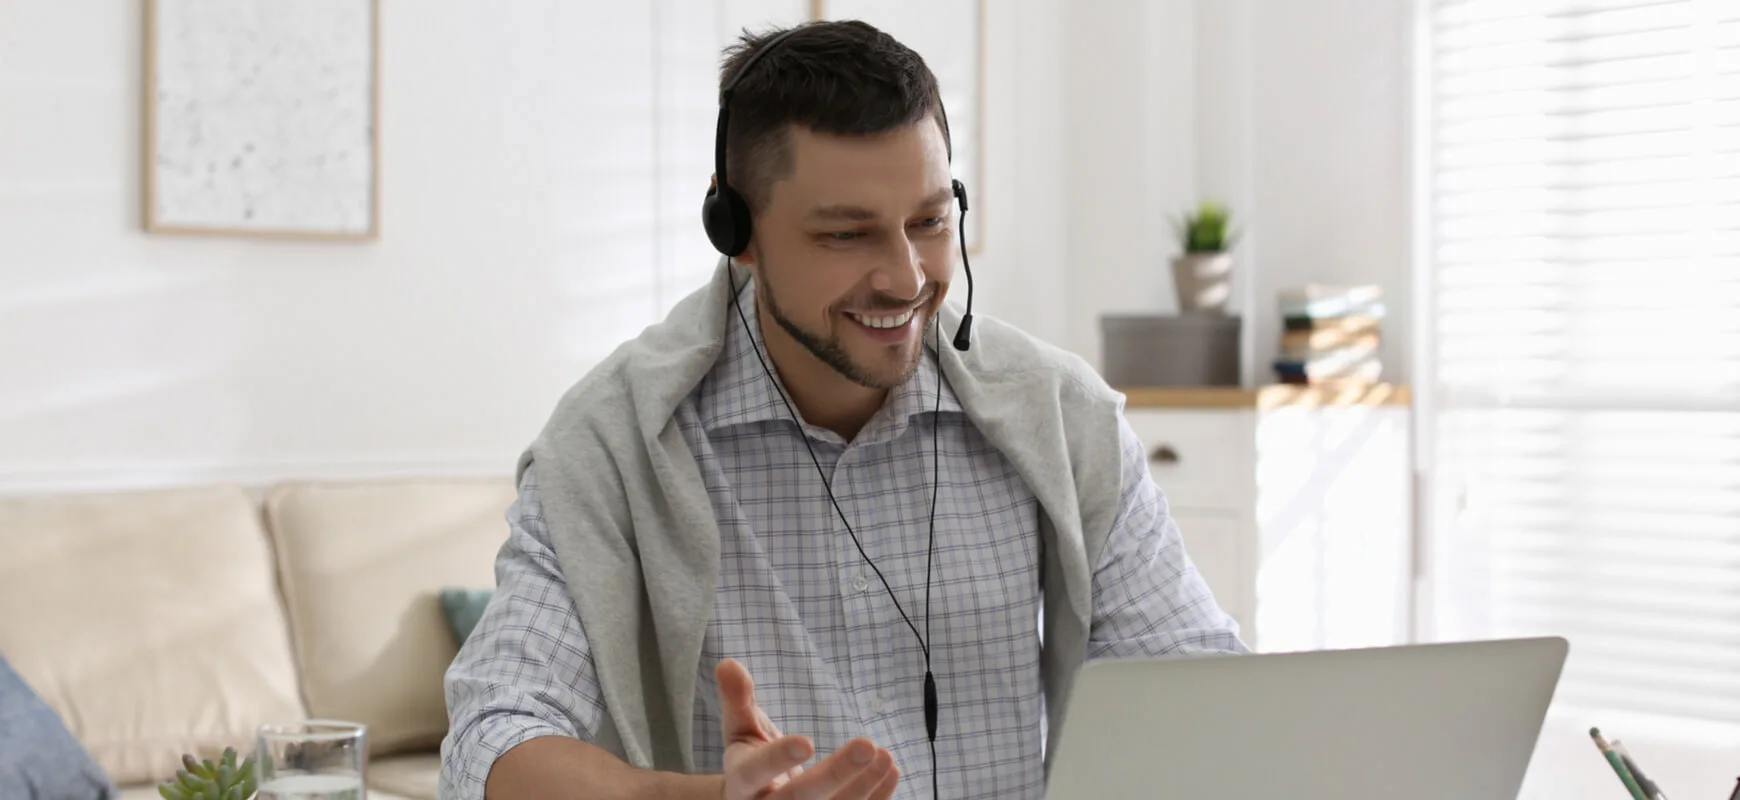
x=1163, y=454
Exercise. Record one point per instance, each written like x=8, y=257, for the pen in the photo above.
x=1650, y=790
x=1618, y=765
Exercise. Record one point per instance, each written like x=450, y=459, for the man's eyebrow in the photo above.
x=937, y=198
x=859, y=213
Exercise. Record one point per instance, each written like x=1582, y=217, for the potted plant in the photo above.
x=1202, y=273
x=205, y=780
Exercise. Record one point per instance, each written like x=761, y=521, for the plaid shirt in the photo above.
x=801, y=608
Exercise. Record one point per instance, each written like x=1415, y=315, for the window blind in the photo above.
x=1583, y=270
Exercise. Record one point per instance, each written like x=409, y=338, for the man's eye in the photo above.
x=932, y=222
x=844, y=236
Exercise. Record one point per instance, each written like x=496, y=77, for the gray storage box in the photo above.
x=1170, y=350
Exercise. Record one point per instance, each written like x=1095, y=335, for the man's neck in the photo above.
x=821, y=395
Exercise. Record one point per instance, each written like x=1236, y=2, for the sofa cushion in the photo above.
x=148, y=791
x=362, y=566
x=39, y=758
x=415, y=776
x=149, y=621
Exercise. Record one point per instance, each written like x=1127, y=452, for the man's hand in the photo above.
x=760, y=762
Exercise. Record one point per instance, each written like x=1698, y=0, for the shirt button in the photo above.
x=884, y=703
x=860, y=582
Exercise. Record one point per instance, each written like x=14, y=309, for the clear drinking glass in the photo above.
x=317, y=759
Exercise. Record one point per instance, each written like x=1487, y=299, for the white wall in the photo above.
x=1293, y=111
x=1131, y=157
x=1304, y=126
x=503, y=268
x=542, y=165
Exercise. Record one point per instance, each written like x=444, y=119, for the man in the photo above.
x=790, y=478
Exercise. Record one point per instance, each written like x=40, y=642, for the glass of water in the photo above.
x=317, y=759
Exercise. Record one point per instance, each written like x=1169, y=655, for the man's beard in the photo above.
x=831, y=352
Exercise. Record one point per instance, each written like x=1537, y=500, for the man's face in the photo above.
x=854, y=251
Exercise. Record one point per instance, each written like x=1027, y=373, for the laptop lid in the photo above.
x=1424, y=722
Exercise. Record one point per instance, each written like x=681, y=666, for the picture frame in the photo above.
x=262, y=118
x=934, y=28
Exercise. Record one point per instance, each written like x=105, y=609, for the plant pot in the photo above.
x=1203, y=282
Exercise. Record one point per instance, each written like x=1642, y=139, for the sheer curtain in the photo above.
x=1582, y=300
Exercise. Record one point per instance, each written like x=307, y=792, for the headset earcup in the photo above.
x=726, y=218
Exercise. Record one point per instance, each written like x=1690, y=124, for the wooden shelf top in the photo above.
x=1270, y=396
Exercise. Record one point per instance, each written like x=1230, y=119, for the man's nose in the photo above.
x=902, y=274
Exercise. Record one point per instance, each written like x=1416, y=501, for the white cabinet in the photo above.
x=1295, y=505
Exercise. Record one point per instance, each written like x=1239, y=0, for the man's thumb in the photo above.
x=737, y=701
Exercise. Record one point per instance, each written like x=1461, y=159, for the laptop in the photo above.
x=1422, y=722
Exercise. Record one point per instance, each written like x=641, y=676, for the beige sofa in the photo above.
x=178, y=620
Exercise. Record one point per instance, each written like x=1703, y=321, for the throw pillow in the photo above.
x=464, y=607
x=39, y=758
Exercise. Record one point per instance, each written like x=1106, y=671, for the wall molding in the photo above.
x=73, y=478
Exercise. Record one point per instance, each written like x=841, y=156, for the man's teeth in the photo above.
x=884, y=322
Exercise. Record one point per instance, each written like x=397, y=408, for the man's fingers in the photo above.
x=833, y=774
x=868, y=781
x=768, y=729
x=885, y=789
x=739, y=717
x=768, y=761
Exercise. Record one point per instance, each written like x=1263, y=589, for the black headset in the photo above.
x=725, y=214
x=726, y=217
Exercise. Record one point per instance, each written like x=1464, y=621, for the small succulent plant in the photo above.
x=205, y=780
x=1207, y=229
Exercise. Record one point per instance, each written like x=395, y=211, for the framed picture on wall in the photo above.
x=950, y=36
x=262, y=118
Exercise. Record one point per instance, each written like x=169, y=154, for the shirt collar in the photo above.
x=737, y=391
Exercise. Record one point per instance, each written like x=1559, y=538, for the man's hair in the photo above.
x=844, y=77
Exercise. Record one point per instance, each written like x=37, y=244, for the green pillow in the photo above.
x=463, y=607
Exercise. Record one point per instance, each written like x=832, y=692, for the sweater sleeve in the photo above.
x=1149, y=599
x=527, y=670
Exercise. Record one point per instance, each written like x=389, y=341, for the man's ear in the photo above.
x=749, y=258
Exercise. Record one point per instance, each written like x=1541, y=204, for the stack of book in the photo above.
x=1330, y=334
